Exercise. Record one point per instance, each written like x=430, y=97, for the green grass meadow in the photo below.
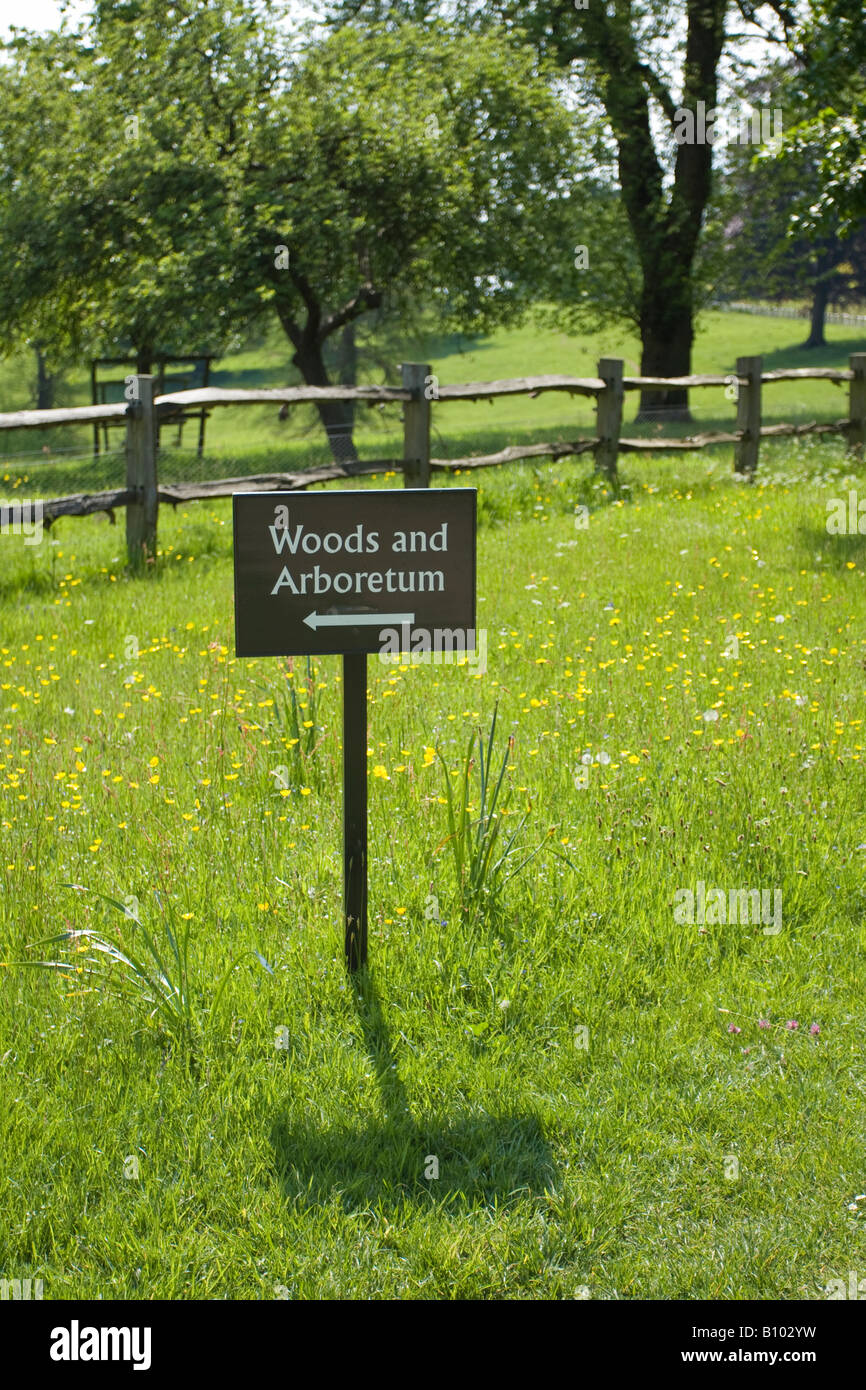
x=618, y=1102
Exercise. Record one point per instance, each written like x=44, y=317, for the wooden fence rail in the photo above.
x=418, y=393
x=784, y=311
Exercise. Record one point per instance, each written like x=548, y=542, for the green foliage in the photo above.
x=829, y=42
x=764, y=208
x=833, y=142
x=482, y=852
x=390, y=165
x=151, y=977
x=639, y=205
x=297, y=721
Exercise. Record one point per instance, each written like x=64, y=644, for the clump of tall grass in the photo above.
x=152, y=972
x=486, y=856
x=296, y=714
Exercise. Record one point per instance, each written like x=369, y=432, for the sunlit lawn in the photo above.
x=619, y=1104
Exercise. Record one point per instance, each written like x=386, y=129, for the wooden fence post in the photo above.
x=609, y=415
x=416, y=426
x=141, y=515
x=748, y=415
x=857, y=404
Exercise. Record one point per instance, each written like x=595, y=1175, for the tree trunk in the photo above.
x=820, y=300
x=667, y=333
x=336, y=416
x=665, y=219
x=45, y=382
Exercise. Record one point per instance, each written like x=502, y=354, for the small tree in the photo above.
x=828, y=44
x=761, y=201
x=209, y=176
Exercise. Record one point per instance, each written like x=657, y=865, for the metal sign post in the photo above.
x=347, y=573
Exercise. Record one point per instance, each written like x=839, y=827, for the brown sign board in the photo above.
x=329, y=572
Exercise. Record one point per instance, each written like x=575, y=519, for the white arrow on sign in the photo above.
x=315, y=619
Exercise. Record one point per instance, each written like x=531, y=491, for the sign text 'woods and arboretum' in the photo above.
x=342, y=573
x=328, y=572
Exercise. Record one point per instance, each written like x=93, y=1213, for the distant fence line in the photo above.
x=143, y=494
x=784, y=311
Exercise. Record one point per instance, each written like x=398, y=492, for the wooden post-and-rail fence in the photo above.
x=142, y=494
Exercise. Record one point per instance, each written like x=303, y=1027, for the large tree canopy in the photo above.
x=829, y=45
x=176, y=172
x=645, y=61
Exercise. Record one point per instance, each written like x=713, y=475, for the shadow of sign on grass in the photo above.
x=459, y=1158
